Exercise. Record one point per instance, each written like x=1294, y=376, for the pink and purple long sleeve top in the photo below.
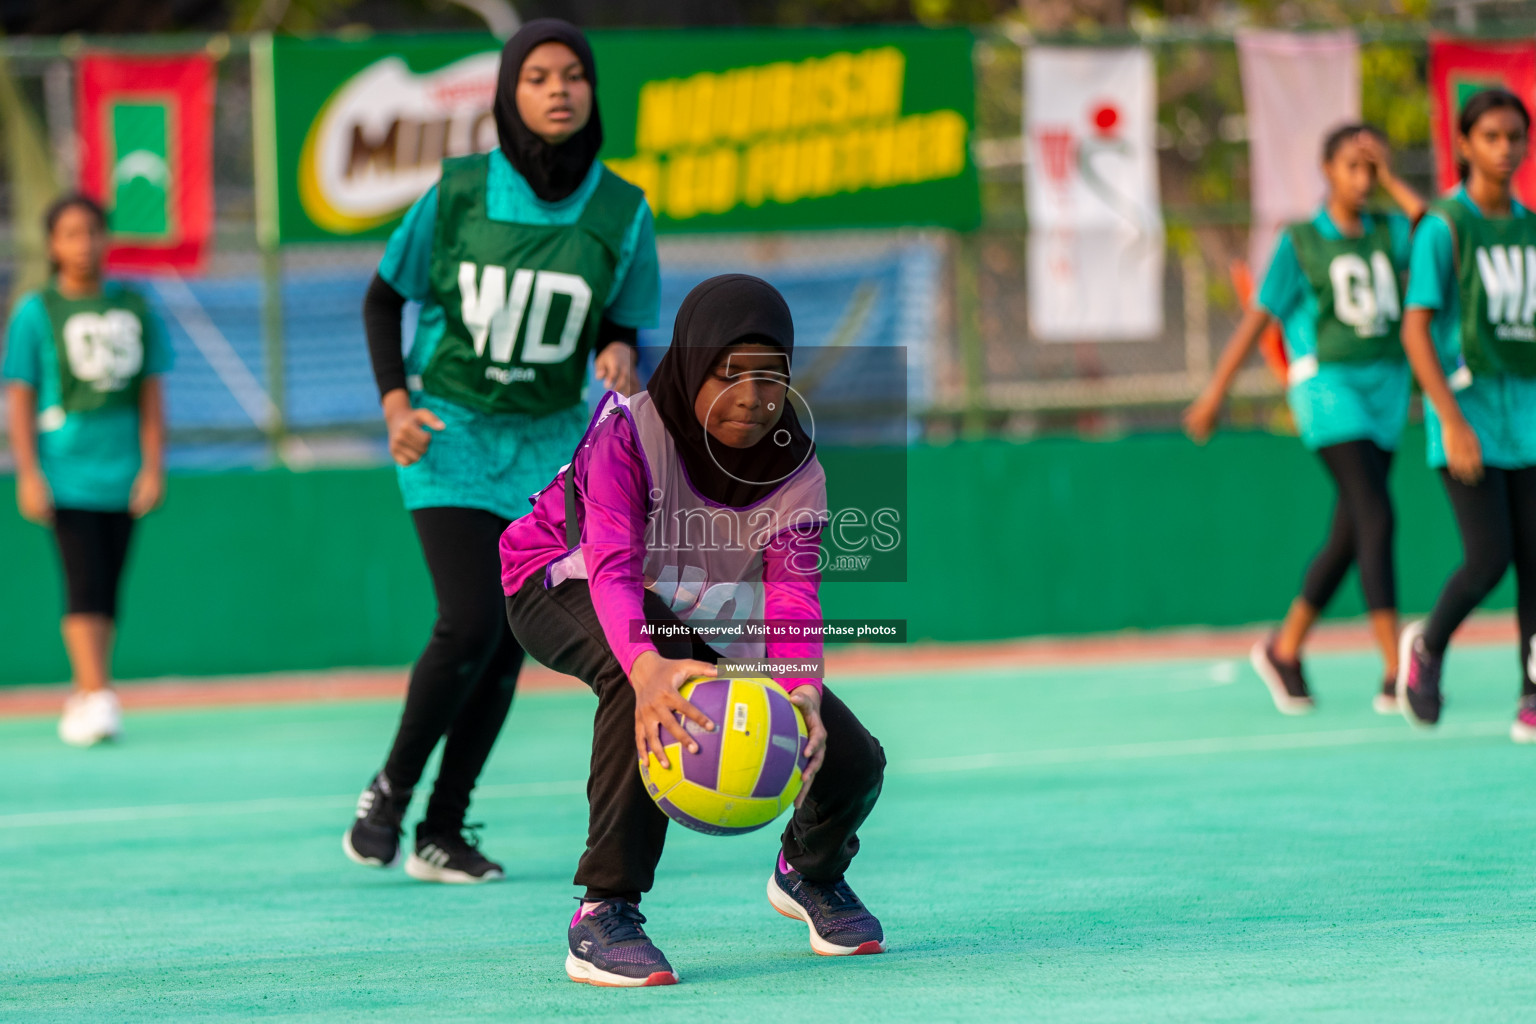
x=615, y=489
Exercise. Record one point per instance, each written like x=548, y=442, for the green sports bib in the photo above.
x=1496, y=277
x=1359, y=304
x=100, y=345
x=521, y=302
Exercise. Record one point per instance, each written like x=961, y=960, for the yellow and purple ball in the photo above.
x=746, y=772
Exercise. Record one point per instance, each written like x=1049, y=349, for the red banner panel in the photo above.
x=1457, y=70
x=146, y=152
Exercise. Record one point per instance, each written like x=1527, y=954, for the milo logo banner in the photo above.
x=736, y=130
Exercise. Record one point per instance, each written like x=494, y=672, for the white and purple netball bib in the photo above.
x=703, y=559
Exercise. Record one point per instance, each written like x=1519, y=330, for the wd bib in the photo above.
x=521, y=303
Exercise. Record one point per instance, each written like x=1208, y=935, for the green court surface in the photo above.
x=1136, y=842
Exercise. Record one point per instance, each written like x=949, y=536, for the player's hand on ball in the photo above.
x=615, y=367
x=409, y=433
x=147, y=493
x=34, y=499
x=1463, y=453
x=808, y=699
x=657, y=703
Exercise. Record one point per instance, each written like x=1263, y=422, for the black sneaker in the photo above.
x=608, y=947
x=1418, y=679
x=374, y=838
x=453, y=857
x=840, y=924
x=1287, y=686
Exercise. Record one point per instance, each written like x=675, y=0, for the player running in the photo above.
x=711, y=434
x=1470, y=333
x=1334, y=284
x=84, y=357
x=525, y=261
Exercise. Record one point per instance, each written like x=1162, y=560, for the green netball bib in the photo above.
x=521, y=302
x=1359, y=296
x=100, y=345
x=1496, y=277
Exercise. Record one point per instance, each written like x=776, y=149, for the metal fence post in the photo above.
x=264, y=151
x=973, y=421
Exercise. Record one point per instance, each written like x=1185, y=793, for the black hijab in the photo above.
x=552, y=171
x=722, y=310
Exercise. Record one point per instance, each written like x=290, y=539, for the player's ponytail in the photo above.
x=57, y=209
x=1480, y=104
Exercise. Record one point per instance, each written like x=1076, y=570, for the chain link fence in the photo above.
x=959, y=303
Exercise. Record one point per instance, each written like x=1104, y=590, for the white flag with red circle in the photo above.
x=1095, y=223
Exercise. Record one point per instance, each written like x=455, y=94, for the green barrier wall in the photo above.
x=269, y=571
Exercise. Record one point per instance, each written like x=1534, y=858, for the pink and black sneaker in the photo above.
x=1524, y=729
x=840, y=924
x=1418, y=679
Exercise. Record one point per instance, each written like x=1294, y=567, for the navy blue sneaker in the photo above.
x=840, y=924
x=608, y=947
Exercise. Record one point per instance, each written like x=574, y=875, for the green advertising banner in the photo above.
x=758, y=130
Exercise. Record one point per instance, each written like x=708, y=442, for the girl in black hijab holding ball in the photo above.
x=712, y=435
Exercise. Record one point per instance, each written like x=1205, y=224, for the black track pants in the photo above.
x=1362, y=528
x=1497, y=522
x=461, y=686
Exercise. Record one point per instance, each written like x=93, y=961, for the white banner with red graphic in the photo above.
x=1297, y=87
x=1095, y=224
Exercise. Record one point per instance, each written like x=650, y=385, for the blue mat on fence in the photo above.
x=222, y=381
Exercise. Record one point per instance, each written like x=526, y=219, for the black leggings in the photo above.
x=462, y=684
x=93, y=547
x=1362, y=528
x=1497, y=521
x=626, y=830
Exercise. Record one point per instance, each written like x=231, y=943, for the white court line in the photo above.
x=924, y=766
x=217, y=350
x=265, y=806
x=1182, y=748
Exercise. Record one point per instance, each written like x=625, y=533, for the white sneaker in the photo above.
x=90, y=718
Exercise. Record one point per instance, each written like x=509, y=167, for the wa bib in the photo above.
x=1496, y=277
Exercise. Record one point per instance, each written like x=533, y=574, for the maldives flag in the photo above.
x=1460, y=68
x=146, y=151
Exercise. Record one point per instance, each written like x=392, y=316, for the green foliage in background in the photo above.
x=1393, y=92
x=287, y=15
x=866, y=12
x=34, y=182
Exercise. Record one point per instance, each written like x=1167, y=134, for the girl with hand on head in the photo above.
x=1470, y=333
x=1335, y=285
x=527, y=260
x=712, y=436
x=84, y=357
